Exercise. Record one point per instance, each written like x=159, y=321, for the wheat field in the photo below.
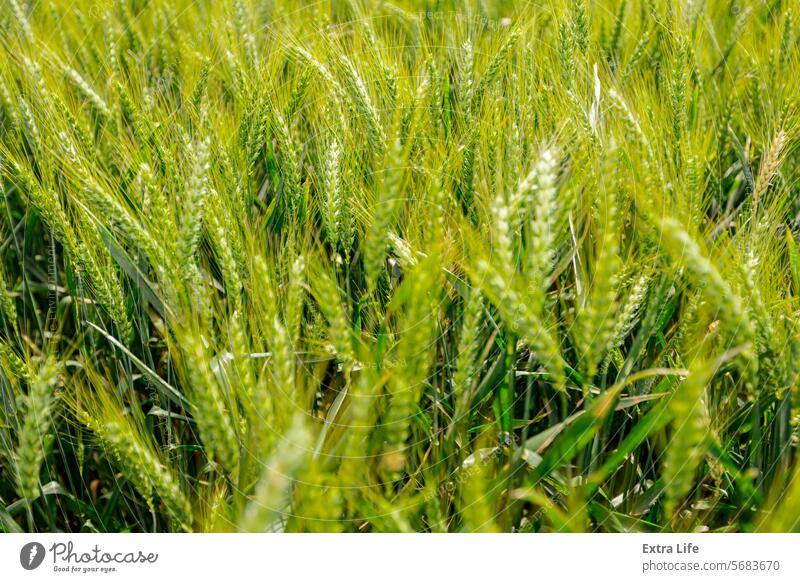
x=407, y=266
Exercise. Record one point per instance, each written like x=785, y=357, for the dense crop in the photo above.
x=423, y=265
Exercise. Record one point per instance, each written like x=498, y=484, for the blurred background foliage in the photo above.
x=359, y=265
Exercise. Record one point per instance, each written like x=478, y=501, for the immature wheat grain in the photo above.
x=597, y=321
x=87, y=93
x=330, y=303
x=362, y=103
x=33, y=434
x=494, y=68
x=683, y=248
x=295, y=298
x=678, y=87
x=502, y=251
x=414, y=344
x=22, y=20
x=12, y=363
x=224, y=250
x=464, y=79
x=8, y=108
x=628, y=315
x=638, y=54
x=769, y=167
x=542, y=202
x=7, y=302
x=687, y=445
x=522, y=317
x=580, y=25
x=338, y=218
x=211, y=406
x=141, y=464
x=566, y=54
x=393, y=181
x=193, y=202
x=271, y=500
x=468, y=346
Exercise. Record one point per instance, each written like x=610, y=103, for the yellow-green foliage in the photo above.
x=368, y=265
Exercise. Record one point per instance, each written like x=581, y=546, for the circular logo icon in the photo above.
x=31, y=555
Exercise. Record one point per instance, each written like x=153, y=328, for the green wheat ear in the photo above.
x=8, y=305
x=418, y=299
x=35, y=431
x=463, y=379
x=212, y=407
x=597, y=320
x=689, y=409
x=271, y=501
x=680, y=245
x=13, y=365
x=121, y=431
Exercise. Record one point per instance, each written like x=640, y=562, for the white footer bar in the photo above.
x=401, y=557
